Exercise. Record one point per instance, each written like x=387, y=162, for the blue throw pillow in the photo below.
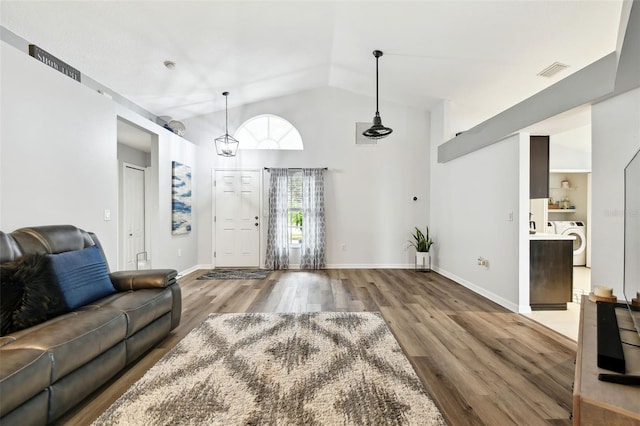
x=82, y=276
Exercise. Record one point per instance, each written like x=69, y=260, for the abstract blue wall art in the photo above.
x=180, y=199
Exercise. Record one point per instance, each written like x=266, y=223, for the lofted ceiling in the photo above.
x=483, y=56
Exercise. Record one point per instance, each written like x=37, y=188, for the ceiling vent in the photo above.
x=552, y=69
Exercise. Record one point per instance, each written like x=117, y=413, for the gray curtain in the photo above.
x=277, y=256
x=312, y=255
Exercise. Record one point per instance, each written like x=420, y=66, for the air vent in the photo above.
x=552, y=69
x=360, y=138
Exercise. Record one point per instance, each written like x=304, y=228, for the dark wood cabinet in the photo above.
x=550, y=274
x=539, y=167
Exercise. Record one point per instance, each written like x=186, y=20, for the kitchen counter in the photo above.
x=543, y=236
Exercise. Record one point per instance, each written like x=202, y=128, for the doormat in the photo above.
x=236, y=274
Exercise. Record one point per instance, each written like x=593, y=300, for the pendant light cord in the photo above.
x=226, y=115
x=377, y=111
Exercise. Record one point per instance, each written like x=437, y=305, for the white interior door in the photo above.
x=133, y=215
x=237, y=214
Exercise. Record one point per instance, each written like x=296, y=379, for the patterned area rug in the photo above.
x=280, y=369
x=235, y=274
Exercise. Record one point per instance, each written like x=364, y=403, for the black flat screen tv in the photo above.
x=631, y=284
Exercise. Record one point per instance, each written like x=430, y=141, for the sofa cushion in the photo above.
x=74, y=387
x=74, y=339
x=28, y=294
x=51, y=239
x=9, y=250
x=24, y=373
x=141, y=307
x=82, y=276
x=33, y=412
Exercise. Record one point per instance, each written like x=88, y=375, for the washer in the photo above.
x=577, y=229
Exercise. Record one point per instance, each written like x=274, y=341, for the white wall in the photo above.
x=166, y=250
x=471, y=199
x=369, y=189
x=179, y=250
x=127, y=154
x=58, y=144
x=616, y=138
x=571, y=150
x=59, y=165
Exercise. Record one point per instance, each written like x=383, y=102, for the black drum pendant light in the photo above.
x=377, y=131
x=226, y=145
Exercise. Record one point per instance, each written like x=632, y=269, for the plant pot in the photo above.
x=423, y=261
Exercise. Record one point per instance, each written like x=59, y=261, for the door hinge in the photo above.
x=214, y=183
x=214, y=254
x=214, y=218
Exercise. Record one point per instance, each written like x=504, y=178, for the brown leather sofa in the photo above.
x=48, y=368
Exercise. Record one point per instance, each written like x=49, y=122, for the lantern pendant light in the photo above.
x=377, y=131
x=226, y=145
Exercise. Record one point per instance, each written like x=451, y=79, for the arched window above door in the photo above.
x=268, y=131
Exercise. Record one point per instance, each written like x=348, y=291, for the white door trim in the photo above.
x=147, y=218
x=213, y=211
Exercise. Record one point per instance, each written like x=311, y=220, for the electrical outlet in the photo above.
x=483, y=262
x=179, y=252
x=343, y=247
x=510, y=216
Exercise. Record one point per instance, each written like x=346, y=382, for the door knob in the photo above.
x=256, y=223
x=256, y=217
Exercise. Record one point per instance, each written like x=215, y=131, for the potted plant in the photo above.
x=422, y=243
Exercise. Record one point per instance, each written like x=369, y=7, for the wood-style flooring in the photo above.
x=481, y=363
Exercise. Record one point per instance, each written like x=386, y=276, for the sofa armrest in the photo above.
x=135, y=280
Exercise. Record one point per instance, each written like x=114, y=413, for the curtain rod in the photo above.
x=297, y=168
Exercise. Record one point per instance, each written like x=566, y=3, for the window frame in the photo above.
x=246, y=127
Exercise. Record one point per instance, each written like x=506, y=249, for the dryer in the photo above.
x=577, y=229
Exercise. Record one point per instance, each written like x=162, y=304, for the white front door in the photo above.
x=237, y=214
x=133, y=217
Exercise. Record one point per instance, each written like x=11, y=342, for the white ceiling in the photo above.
x=483, y=56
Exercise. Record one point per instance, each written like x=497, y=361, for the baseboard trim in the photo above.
x=193, y=269
x=513, y=307
x=369, y=266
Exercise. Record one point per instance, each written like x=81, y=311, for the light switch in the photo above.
x=510, y=216
x=107, y=214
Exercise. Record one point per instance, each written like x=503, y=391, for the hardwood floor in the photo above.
x=481, y=363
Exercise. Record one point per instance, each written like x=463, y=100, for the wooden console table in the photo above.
x=596, y=402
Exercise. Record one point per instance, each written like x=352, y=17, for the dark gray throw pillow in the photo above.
x=29, y=294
